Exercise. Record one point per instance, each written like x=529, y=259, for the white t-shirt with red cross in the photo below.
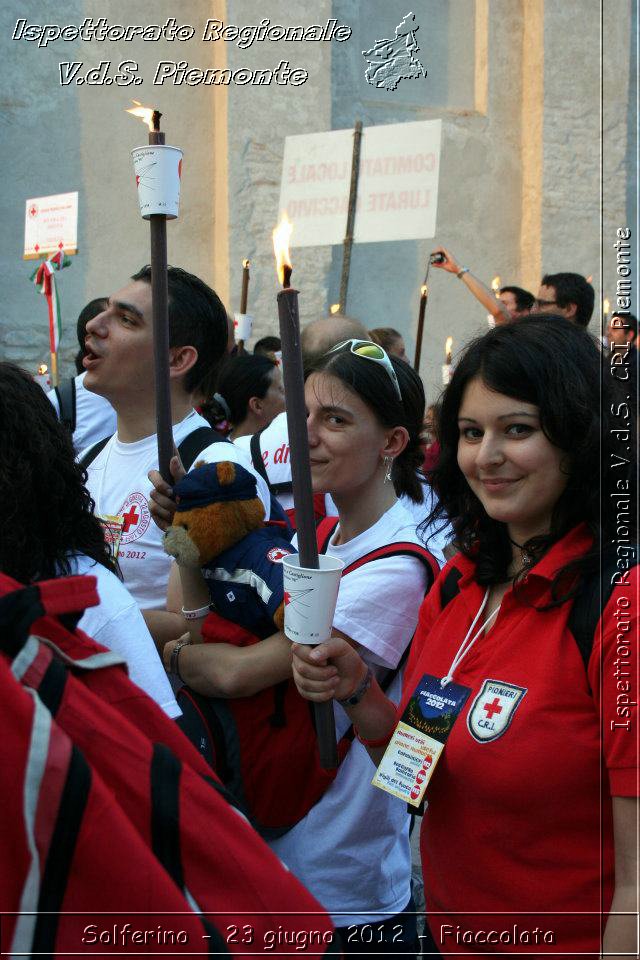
x=118, y=483
x=352, y=849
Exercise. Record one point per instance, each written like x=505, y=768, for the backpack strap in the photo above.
x=166, y=771
x=20, y=609
x=75, y=788
x=258, y=464
x=195, y=443
x=324, y=532
x=189, y=449
x=588, y=607
x=66, y=394
x=400, y=549
x=165, y=819
x=449, y=588
x=93, y=452
x=256, y=457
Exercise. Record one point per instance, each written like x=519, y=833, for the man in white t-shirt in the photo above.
x=119, y=366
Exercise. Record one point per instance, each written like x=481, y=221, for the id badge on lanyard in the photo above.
x=419, y=738
x=418, y=741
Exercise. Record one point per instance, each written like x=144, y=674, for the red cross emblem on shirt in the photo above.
x=130, y=519
x=492, y=708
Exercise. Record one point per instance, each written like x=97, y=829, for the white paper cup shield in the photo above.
x=242, y=325
x=310, y=598
x=158, y=170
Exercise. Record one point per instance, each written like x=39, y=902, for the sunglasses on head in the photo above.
x=369, y=350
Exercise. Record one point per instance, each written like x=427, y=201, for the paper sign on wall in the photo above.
x=397, y=186
x=50, y=224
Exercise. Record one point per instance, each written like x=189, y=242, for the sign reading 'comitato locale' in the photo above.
x=397, y=186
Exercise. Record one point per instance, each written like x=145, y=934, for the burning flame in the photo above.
x=495, y=285
x=246, y=264
x=448, y=347
x=605, y=306
x=281, y=237
x=334, y=308
x=42, y=369
x=145, y=113
x=424, y=290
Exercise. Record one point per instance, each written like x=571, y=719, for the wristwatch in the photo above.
x=359, y=691
x=460, y=274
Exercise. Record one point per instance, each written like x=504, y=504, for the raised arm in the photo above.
x=483, y=294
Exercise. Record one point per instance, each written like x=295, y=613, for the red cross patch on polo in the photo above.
x=493, y=709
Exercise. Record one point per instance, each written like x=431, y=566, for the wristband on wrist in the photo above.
x=196, y=614
x=380, y=742
x=461, y=272
x=359, y=692
x=175, y=653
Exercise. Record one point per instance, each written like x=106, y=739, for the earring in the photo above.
x=388, y=466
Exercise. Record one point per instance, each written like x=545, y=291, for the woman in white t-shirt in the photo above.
x=364, y=421
x=249, y=395
x=49, y=529
x=365, y=414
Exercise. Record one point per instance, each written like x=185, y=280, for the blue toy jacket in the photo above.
x=245, y=581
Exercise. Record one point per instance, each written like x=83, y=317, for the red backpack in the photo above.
x=264, y=747
x=109, y=808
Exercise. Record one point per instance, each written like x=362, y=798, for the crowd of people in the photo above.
x=489, y=547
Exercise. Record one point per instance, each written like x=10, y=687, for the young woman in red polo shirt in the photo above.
x=529, y=837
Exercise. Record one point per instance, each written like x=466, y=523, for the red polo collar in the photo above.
x=574, y=544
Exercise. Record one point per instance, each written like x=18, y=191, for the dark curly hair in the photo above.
x=372, y=383
x=48, y=513
x=547, y=361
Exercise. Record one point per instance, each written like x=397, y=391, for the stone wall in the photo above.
x=58, y=139
x=259, y=119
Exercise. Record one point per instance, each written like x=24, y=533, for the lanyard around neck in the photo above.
x=467, y=643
